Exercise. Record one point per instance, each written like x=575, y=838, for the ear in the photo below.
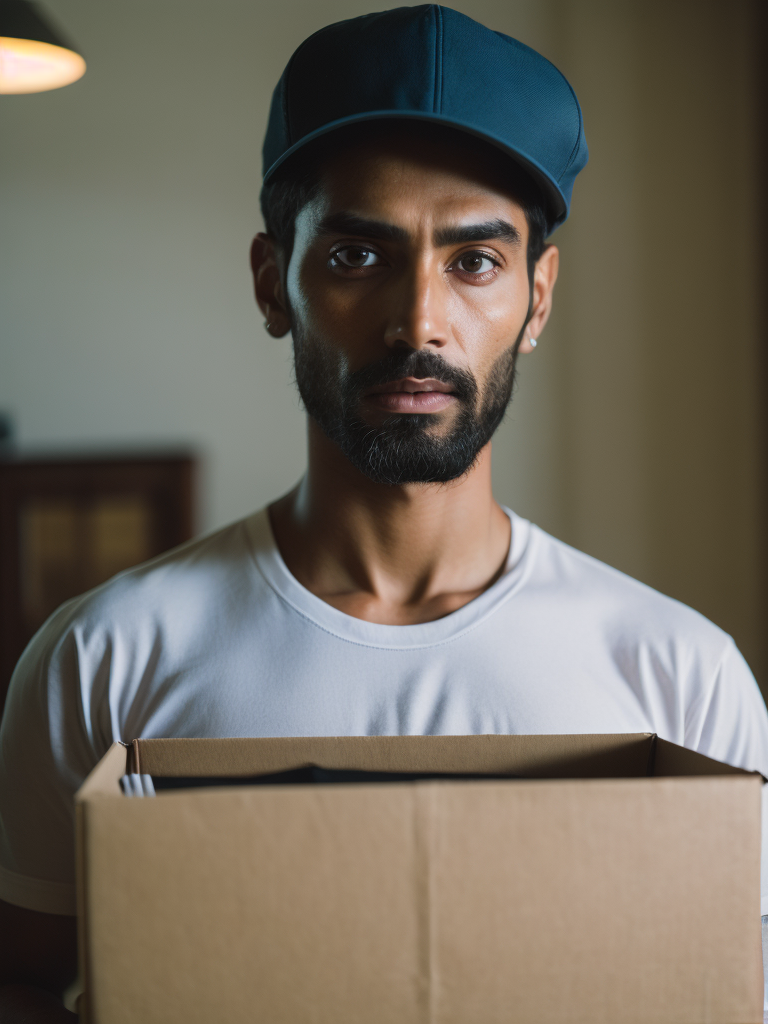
x=544, y=277
x=268, y=285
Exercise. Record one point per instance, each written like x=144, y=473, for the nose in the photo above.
x=418, y=317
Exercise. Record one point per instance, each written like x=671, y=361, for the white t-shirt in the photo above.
x=216, y=638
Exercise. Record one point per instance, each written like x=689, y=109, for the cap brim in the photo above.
x=557, y=209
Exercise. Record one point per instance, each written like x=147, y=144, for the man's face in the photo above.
x=408, y=293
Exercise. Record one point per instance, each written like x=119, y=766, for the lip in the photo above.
x=411, y=395
x=411, y=386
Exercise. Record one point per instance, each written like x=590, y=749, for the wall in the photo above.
x=129, y=200
x=660, y=380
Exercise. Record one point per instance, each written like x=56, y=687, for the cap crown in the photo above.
x=433, y=63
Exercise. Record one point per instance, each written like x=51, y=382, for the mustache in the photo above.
x=396, y=365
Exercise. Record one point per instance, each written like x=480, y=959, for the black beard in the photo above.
x=401, y=449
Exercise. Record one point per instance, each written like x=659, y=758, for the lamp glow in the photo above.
x=34, y=56
x=27, y=65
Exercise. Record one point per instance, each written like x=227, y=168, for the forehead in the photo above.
x=405, y=179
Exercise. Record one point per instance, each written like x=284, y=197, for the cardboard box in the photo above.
x=617, y=883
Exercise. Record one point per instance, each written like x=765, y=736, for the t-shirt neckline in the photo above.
x=275, y=572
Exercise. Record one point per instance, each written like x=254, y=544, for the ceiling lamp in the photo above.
x=33, y=57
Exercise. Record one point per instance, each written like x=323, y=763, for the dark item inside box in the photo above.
x=313, y=774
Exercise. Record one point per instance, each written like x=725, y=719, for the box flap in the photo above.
x=671, y=760
x=104, y=780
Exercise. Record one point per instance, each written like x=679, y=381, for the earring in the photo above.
x=267, y=324
x=533, y=342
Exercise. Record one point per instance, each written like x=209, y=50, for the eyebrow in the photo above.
x=350, y=224
x=492, y=230
x=459, y=234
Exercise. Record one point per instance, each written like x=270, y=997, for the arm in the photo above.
x=38, y=960
x=44, y=755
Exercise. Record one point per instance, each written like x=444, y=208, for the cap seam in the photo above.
x=577, y=143
x=286, y=110
x=286, y=90
x=437, y=96
x=510, y=41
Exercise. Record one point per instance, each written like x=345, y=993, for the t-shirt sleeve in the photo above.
x=733, y=727
x=45, y=754
x=733, y=722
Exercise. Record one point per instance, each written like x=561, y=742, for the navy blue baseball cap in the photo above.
x=431, y=63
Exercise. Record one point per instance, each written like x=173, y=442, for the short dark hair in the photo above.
x=298, y=182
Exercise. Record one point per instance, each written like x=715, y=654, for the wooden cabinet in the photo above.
x=68, y=524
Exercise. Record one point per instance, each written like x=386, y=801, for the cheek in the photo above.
x=320, y=309
x=508, y=301
x=297, y=292
x=345, y=323
x=315, y=328
x=489, y=319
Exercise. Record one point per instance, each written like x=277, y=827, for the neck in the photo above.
x=390, y=554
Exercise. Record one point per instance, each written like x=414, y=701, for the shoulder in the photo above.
x=622, y=605
x=175, y=591
x=193, y=570
x=684, y=671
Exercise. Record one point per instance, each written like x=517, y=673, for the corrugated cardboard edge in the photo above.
x=586, y=755
x=102, y=782
x=134, y=758
x=193, y=756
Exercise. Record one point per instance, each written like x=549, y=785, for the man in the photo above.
x=415, y=163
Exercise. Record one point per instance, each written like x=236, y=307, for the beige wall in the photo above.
x=129, y=199
x=660, y=380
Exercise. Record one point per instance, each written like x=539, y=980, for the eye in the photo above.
x=355, y=257
x=476, y=263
